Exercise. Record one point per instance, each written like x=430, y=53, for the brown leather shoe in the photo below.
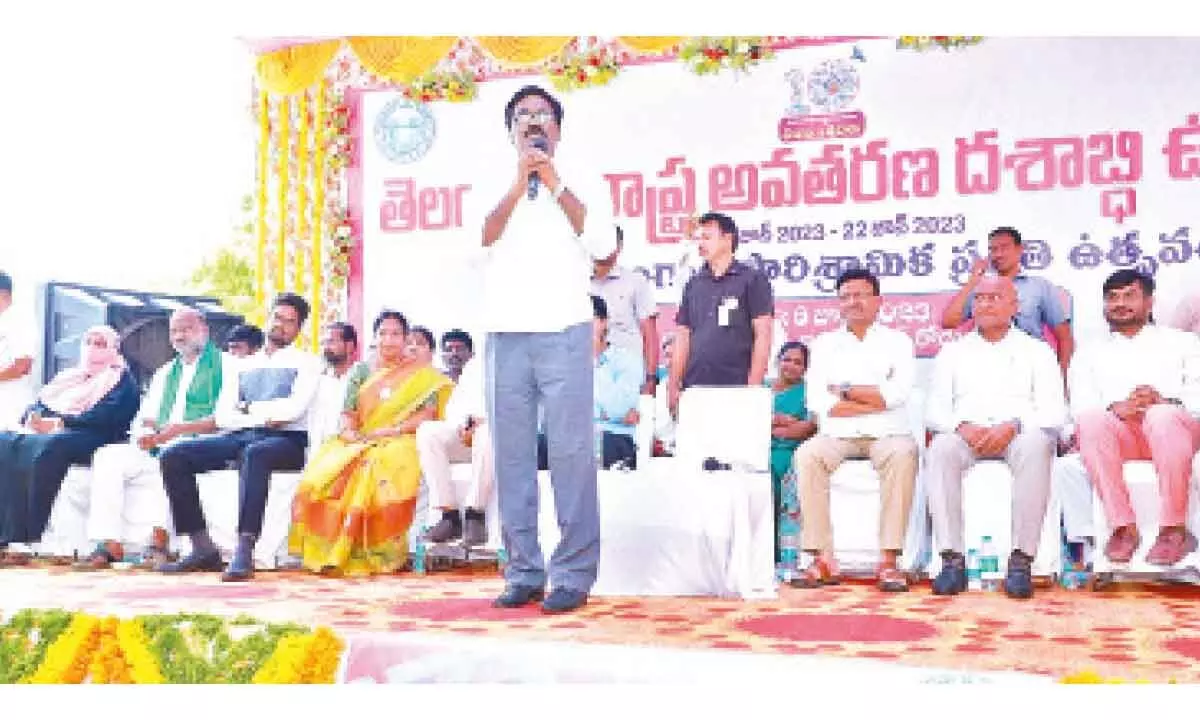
x=1172, y=545
x=819, y=574
x=1123, y=544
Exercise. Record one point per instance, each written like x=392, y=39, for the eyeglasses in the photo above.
x=530, y=117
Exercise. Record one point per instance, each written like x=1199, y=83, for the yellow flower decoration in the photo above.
x=401, y=59
x=519, y=50
x=651, y=44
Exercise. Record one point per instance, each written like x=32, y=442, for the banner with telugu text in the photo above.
x=826, y=157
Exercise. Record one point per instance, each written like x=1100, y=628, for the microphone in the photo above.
x=538, y=143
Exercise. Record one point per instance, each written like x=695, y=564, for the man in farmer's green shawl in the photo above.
x=128, y=503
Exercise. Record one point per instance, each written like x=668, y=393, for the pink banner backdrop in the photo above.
x=826, y=157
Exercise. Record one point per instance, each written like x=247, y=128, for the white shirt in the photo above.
x=882, y=359
x=537, y=275
x=16, y=342
x=153, y=398
x=1107, y=370
x=990, y=383
x=467, y=400
x=325, y=415
x=293, y=372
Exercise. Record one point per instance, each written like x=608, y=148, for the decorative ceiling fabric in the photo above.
x=291, y=65
x=295, y=69
x=401, y=59
x=522, y=51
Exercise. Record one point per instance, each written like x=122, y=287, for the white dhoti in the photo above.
x=127, y=496
x=1070, y=484
x=439, y=446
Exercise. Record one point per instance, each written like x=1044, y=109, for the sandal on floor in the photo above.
x=818, y=574
x=890, y=578
x=153, y=558
x=100, y=559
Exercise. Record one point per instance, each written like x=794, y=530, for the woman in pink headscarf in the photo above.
x=83, y=408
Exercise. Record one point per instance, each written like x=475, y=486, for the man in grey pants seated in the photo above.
x=996, y=393
x=539, y=351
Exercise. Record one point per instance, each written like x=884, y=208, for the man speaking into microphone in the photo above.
x=542, y=238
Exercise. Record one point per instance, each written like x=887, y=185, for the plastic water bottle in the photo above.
x=788, y=554
x=989, y=565
x=1073, y=576
x=598, y=446
x=973, y=577
x=789, y=530
x=501, y=559
x=419, y=553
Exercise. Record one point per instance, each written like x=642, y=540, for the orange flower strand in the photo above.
x=303, y=660
x=67, y=659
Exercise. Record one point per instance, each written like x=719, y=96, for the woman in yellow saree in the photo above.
x=356, y=498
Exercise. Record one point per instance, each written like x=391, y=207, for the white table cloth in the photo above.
x=669, y=530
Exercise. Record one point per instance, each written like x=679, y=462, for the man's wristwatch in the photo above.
x=844, y=391
x=558, y=191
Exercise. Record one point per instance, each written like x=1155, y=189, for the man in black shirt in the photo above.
x=725, y=318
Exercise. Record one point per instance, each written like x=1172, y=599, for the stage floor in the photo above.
x=441, y=627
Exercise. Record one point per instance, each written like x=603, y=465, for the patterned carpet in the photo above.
x=1135, y=632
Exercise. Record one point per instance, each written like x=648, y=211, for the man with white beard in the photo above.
x=126, y=482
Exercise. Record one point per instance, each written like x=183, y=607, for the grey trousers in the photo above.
x=1029, y=457
x=554, y=370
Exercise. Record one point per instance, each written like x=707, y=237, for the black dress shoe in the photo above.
x=241, y=567
x=194, y=562
x=1018, y=581
x=561, y=600
x=515, y=596
x=953, y=578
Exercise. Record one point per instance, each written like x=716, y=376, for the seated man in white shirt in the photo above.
x=457, y=349
x=264, y=416
x=1135, y=395
x=859, y=383
x=463, y=436
x=179, y=404
x=996, y=393
x=339, y=345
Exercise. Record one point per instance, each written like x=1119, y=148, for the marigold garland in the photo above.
x=66, y=661
x=184, y=648
x=303, y=660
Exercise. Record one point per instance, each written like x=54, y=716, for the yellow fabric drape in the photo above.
x=296, y=68
x=283, y=146
x=651, y=44
x=303, y=172
x=401, y=59
x=260, y=198
x=531, y=50
x=318, y=211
